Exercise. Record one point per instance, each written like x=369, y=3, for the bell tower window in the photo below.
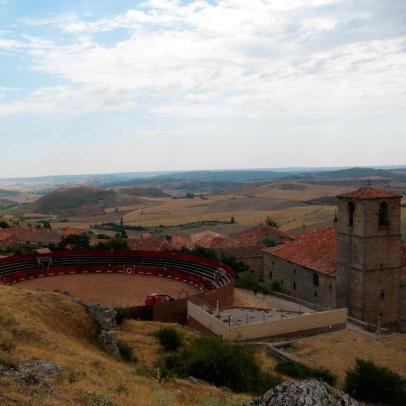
x=351, y=209
x=383, y=214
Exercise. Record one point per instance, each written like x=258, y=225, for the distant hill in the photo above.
x=5, y=194
x=350, y=174
x=143, y=192
x=75, y=197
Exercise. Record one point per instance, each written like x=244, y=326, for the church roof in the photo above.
x=315, y=250
x=369, y=193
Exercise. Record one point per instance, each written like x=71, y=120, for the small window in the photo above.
x=273, y=265
x=382, y=294
x=294, y=271
x=282, y=282
x=383, y=214
x=270, y=274
x=315, y=293
x=351, y=210
x=294, y=285
x=316, y=279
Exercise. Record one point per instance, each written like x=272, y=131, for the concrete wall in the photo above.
x=291, y=275
x=312, y=323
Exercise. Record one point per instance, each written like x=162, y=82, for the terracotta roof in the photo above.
x=206, y=239
x=369, y=193
x=315, y=250
x=255, y=236
x=147, y=245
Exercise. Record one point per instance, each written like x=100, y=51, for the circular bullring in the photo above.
x=121, y=278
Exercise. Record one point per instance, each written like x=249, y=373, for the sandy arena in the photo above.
x=112, y=289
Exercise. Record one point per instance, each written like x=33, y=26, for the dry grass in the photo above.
x=338, y=351
x=53, y=327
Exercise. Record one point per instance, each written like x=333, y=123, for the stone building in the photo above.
x=360, y=265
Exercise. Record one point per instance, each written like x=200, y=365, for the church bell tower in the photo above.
x=368, y=254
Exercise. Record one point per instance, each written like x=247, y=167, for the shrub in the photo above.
x=369, y=382
x=7, y=360
x=93, y=399
x=301, y=371
x=126, y=352
x=276, y=286
x=269, y=242
x=247, y=280
x=169, y=338
x=221, y=363
x=122, y=314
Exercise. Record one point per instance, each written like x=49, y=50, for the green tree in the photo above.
x=369, y=382
x=77, y=242
x=271, y=222
x=221, y=363
x=269, y=242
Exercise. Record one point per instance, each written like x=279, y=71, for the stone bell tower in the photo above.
x=369, y=254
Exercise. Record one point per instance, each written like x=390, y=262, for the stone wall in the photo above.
x=299, y=281
x=402, y=302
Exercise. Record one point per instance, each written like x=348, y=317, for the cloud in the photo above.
x=252, y=58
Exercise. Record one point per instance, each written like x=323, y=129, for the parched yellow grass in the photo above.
x=55, y=328
x=338, y=351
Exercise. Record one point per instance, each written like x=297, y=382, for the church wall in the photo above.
x=290, y=275
x=402, y=302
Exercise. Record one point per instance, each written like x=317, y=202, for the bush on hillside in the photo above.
x=126, y=352
x=369, y=382
x=301, y=371
x=247, y=280
x=122, y=313
x=169, y=338
x=221, y=363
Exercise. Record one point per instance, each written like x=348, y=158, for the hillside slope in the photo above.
x=54, y=328
x=71, y=198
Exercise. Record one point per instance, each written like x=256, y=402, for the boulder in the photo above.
x=304, y=393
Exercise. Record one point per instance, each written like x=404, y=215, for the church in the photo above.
x=360, y=263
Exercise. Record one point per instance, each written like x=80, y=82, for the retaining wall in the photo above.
x=307, y=324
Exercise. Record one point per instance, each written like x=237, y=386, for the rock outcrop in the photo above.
x=34, y=373
x=304, y=393
x=105, y=317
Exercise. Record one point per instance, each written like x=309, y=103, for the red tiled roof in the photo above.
x=315, y=250
x=369, y=193
x=206, y=239
x=147, y=245
x=255, y=235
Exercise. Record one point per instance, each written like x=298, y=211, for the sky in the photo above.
x=96, y=86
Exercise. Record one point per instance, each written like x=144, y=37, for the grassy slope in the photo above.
x=53, y=327
x=348, y=345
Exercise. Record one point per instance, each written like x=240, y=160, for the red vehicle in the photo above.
x=153, y=298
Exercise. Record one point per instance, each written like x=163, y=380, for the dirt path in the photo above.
x=112, y=289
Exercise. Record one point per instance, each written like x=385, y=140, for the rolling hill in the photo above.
x=71, y=198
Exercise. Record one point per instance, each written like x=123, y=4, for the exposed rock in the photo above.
x=304, y=393
x=35, y=372
x=105, y=317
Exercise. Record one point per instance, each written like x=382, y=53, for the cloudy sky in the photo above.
x=89, y=86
